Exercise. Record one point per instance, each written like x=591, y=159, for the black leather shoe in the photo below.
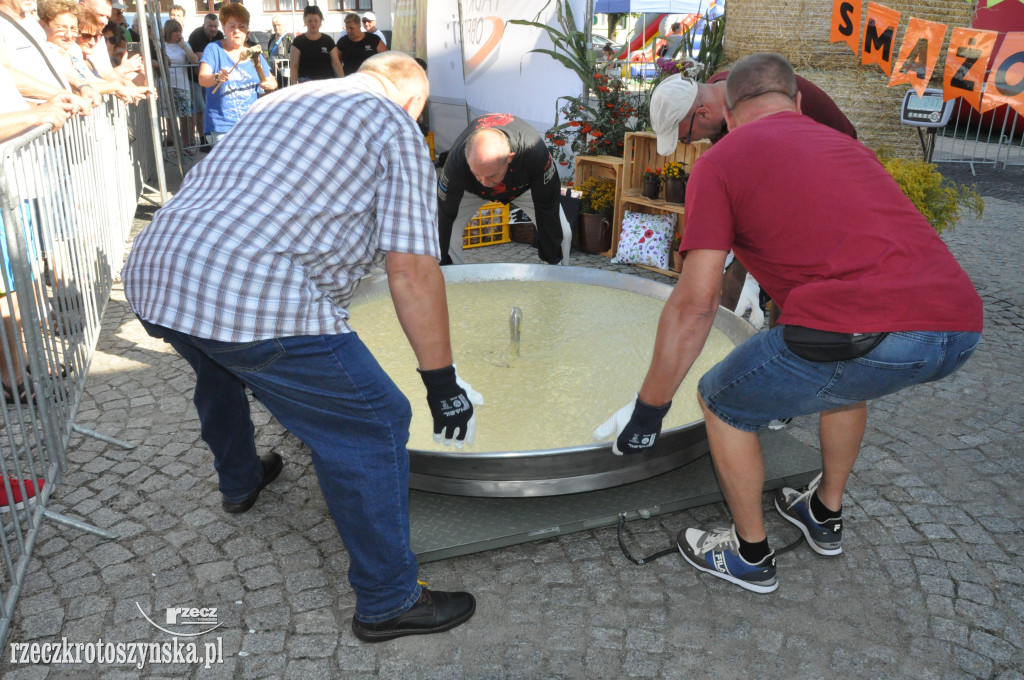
x=434, y=612
x=272, y=466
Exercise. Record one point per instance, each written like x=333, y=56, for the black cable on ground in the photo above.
x=674, y=548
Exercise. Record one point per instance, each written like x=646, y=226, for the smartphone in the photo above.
x=134, y=48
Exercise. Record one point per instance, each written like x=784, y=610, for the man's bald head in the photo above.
x=488, y=154
x=405, y=82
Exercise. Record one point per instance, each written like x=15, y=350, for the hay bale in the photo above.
x=799, y=29
x=873, y=107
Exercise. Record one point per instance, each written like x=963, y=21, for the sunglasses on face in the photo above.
x=91, y=37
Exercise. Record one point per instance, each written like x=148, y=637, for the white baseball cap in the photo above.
x=670, y=103
x=369, y=16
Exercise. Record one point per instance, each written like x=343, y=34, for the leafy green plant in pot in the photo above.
x=596, y=210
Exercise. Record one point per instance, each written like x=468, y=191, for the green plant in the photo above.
x=598, y=196
x=712, y=48
x=585, y=124
x=592, y=127
x=570, y=44
x=673, y=170
x=941, y=204
x=652, y=175
x=708, y=58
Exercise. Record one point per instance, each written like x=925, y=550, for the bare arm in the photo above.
x=381, y=47
x=55, y=111
x=293, y=66
x=336, y=66
x=207, y=78
x=192, y=57
x=418, y=293
x=684, y=325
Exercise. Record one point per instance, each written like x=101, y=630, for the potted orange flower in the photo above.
x=652, y=183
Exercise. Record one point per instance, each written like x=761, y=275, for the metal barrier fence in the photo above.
x=68, y=201
x=992, y=140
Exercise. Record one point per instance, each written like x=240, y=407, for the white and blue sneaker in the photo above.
x=717, y=552
x=795, y=506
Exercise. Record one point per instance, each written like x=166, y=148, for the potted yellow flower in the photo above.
x=596, y=210
x=674, y=175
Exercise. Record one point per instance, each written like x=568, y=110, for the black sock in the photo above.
x=821, y=513
x=754, y=552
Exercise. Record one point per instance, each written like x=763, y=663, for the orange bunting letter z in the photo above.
x=1005, y=83
x=918, y=55
x=966, y=58
x=846, y=23
x=879, y=36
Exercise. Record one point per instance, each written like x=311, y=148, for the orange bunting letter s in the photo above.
x=846, y=23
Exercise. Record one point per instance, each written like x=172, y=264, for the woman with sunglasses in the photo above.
x=65, y=22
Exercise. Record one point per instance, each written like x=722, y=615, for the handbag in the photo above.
x=815, y=345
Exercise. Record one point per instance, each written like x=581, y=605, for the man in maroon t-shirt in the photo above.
x=683, y=110
x=872, y=302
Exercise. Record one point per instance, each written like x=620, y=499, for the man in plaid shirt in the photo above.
x=247, y=273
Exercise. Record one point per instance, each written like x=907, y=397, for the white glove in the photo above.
x=476, y=399
x=614, y=425
x=750, y=298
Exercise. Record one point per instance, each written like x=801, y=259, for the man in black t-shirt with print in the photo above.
x=355, y=47
x=501, y=158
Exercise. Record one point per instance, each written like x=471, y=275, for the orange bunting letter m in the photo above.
x=879, y=36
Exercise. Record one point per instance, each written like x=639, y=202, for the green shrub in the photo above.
x=942, y=204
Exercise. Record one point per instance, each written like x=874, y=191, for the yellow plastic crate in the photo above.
x=430, y=144
x=489, y=227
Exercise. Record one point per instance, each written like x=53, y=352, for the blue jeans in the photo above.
x=331, y=393
x=762, y=380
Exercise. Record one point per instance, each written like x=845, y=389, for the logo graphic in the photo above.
x=204, y=617
x=720, y=562
x=473, y=33
x=494, y=120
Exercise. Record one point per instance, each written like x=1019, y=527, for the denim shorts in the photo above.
x=762, y=380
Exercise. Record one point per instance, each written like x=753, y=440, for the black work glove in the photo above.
x=449, y=406
x=642, y=430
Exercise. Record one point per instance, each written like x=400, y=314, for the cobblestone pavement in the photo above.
x=931, y=583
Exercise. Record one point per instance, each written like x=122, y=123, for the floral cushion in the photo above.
x=645, y=239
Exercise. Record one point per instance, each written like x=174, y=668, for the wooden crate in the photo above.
x=429, y=137
x=640, y=153
x=601, y=166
